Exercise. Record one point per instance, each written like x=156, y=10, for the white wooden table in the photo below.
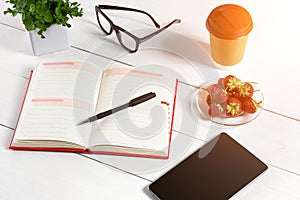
x=272, y=59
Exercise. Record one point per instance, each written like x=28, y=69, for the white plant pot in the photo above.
x=56, y=40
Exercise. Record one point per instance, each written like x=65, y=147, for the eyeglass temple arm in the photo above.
x=128, y=9
x=176, y=21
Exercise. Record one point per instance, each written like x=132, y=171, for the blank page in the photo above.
x=58, y=93
x=146, y=125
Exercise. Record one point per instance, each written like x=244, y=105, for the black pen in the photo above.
x=131, y=103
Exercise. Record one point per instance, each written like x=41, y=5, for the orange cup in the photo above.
x=229, y=26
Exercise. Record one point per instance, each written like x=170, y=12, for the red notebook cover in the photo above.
x=86, y=150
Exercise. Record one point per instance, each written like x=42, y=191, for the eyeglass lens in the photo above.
x=127, y=41
x=104, y=23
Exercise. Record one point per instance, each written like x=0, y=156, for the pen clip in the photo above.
x=141, y=99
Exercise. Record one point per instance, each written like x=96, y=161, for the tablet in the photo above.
x=217, y=170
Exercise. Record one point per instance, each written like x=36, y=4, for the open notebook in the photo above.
x=61, y=94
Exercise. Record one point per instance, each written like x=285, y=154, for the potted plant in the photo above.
x=45, y=21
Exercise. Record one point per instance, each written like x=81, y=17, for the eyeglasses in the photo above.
x=126, y=39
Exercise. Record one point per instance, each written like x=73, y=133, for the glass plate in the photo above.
x=243, y=118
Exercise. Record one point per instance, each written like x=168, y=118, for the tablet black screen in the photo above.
x=215, y=171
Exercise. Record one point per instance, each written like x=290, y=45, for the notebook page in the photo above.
x=60, y=94
x=146, y=125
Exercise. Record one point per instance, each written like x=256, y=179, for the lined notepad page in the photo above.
x=146, y=125
x=60, y=94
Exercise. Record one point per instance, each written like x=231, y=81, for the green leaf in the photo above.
x=32, y=8
x=29, y=25
x=23, y=4
x=48, y=17
x=40, y=32
x=14, y=13
x=57, y=10
x=7, y=11
x=38, y=6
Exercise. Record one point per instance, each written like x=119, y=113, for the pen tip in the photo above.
x=83, y=122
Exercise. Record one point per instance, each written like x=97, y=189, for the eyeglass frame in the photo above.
x=117, y=29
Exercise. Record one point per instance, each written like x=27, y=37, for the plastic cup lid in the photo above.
x=229, y=21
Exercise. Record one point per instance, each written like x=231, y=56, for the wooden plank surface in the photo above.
x=271, y=59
